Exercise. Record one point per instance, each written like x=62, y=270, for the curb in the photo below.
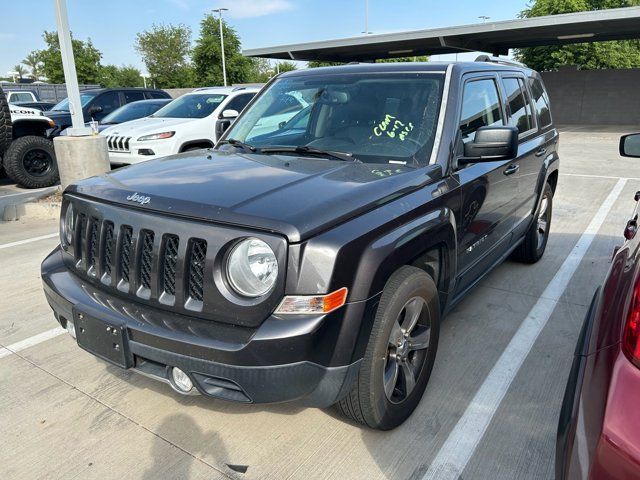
x=31, y=208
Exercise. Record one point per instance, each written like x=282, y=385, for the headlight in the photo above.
x=252, y=268
x=157, y=136
x=67, y=225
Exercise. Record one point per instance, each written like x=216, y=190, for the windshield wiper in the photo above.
x=345, y=157
x=238, y=143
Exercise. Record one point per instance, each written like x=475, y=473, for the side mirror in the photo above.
x=282, y=124
x=491, y=144
x=94, y=109
x=230, y=114
x=221, y=126
x=630, y=145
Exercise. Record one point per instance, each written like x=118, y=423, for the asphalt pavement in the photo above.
x=490, y=410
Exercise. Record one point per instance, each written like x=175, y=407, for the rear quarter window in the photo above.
x=540, y=102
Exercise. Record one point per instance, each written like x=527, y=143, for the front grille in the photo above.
x=163, y=261
x=117, y=143
x=197, y=256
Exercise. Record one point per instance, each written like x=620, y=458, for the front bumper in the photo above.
x=277, y=362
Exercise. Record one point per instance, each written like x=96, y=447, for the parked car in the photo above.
x=26, y=155
x=128, y=112
x=598, y=435
x=313, y=266
x=98, y=103
x=190, y=122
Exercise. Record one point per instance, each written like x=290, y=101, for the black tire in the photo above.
x=535, y=240
x=6, y=129
x=368, y=402
x=31, y=162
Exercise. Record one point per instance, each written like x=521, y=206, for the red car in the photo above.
x=599, y=428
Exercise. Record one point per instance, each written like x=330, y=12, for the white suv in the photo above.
x=187, y=123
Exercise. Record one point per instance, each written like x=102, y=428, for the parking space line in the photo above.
x=607, y=177
x=28, y=240
x=26, y=193
x=465, y=436
x=31, y=341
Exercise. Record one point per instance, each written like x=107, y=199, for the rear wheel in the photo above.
x=400, y=354
x=536, y=238
x=30, y=161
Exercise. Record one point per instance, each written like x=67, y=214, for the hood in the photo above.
x=60, y=117
x=296, y=197
x=146, y=126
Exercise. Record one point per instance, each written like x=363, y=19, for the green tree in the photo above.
x=207, y=55
x=587, y=56
x=285, y=67
x=112, y=76
x=35, y=64
x=20, y=70
x=87, y=59
x=165, y=52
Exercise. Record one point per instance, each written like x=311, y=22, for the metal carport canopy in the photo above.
x=494, y=37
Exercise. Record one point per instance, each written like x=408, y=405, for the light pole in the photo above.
x=366, y=17
x=69, y=67
x=144, y=78
x=13, y=76
x=224, y=67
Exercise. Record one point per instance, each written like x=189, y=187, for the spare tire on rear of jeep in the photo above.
x=30, y=161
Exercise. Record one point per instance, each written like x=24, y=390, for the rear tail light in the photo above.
x=631, y=335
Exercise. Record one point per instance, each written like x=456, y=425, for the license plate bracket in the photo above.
x=104, y=339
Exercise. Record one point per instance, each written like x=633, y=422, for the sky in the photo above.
x=112, y=25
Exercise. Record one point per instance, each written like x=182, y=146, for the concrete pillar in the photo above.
x=81, y=157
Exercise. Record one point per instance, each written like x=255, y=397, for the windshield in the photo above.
x=376, y=117
x=63, y=106
x=132, y=111
x=195, y=105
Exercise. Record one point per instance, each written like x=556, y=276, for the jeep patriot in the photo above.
x=313, y=261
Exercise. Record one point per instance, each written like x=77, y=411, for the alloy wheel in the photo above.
x=407, y=350
x=543, y=221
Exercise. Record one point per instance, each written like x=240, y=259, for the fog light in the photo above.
x=181, y=380
x=71, y=328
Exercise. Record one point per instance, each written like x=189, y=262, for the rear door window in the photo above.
x=519, y=105
x=239, y=102
x=480, y=107
x=133, y=96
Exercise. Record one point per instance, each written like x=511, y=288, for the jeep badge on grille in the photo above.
x=141, y=199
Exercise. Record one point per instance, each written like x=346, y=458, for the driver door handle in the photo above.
x=511, y=169
x=541, y=151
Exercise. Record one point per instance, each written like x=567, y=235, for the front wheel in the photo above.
x=400, y=354
x=30, y=161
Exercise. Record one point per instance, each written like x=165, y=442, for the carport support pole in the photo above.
x=79, y=154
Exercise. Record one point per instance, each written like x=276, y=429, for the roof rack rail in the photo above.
x=501, y=61
x=235, y=89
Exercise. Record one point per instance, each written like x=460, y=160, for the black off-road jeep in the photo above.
x=314, y=259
